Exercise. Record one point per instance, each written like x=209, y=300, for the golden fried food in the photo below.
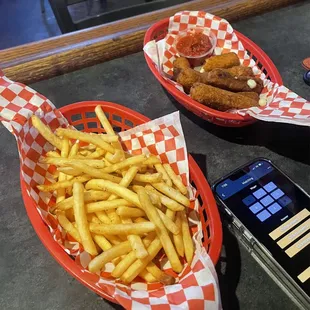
x=219, y=78
x=222, y=79
x=187, y=77
x=240, y=71
x=179, y=64
x=220, y=99
x=221, y=61
x=250, y=94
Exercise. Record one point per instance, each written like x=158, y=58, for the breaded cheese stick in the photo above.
x=220, y=99
x=240, y=71
x=179, y=64
x=223, y=79
x=187, y=77
x=219, y=78
x=221, y=61
x=250, y=94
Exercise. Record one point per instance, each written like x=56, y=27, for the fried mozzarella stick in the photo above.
x=220, y=99
x=240, y=71
x=221, y=61
x=221, y=79
x=179, y=64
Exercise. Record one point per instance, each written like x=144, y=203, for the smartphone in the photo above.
x=271, y=216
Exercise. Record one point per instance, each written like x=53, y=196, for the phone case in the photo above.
x=260, y=253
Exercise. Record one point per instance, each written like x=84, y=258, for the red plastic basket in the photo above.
x=82, y=116
x=159, y=30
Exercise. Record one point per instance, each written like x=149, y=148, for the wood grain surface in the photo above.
x=44, y=59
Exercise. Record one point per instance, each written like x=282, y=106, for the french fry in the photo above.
x=70, y=215
x=148, y=178
x=171, y=214
x=172, y=193
x=139, y=265
x=147, y=276
x=135, y=242
x=92, y=218
x=63, y=184
x=115, y=240
x=127, y=178
x=86, y=136
x=96, y=173
x=103, y=217
x=166, y=201
x=106, y=205
x=187, y=239
x=176, y=180
x=116, y=157
x=63, y=162
x=89, y=147
x=102, y=241
x=155, y=199
x=108, y=128
x=122, y=229
x=61, y=192
x=69, y=171
x=98, y=153
x=81, y=219
x=161, y=276
x=140, y=220
x=52, y=154
x=85, y=153
x=152, y=160
x=161, y=230
x=105, y=245
x=67, y=225
x=46, y=132
x=74, y=149
x=99, y=261
x=170, y=225
x=115, y=189
x=125, y=163
x=89, y=196
x=100, y=141
x=129, y=212
x=130, y=258
x=159, y=168
x=178, y=239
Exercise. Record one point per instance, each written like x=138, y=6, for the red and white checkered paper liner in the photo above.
x=283, y=105
x=197, y=285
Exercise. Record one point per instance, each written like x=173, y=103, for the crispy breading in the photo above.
x=240, y=71
x=221, y=61
x=220, y=99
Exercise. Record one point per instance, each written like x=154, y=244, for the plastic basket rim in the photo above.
x=64, y=259
x=194, y=104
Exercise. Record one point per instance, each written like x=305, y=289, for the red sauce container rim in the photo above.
x=205, y=31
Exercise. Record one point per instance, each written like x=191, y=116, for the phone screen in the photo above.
x=275, y=211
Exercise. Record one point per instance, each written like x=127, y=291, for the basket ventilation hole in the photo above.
x=90, y=115
x=92, y=125
x=79, y=127
x=129, y=123
x=117, y=118
x=117, y=129
x=76, y=117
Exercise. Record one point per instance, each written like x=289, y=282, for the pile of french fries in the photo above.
x=123, y=209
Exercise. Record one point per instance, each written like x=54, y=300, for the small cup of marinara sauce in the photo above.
x=195, y=44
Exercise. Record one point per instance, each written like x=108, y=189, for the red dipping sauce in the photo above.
x=196, y=45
